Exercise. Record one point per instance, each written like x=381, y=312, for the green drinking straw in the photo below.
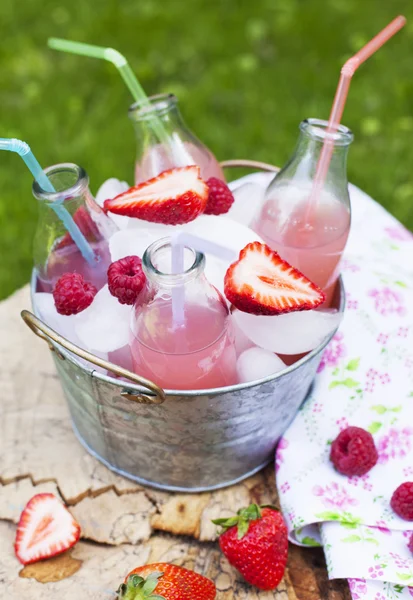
x=122, y=65
x=23, y=150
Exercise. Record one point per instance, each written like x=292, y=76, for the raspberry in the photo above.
x=220, y=198
x=126, y=279
x=402, y=502
x=72, y=294
x=410, y=544
x=353, y=452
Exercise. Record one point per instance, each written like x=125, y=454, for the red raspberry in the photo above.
x=126, y=279
x=72, y=294
x=410, y=544
x=220, y=198
x=353, y=452
x=402, y=501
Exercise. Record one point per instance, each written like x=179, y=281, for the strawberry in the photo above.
x=168, y=582
x=86, y=225
x=255, y=542
x=262, y=283
x=46, y=528
x=174, y=197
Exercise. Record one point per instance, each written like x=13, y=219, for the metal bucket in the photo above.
x=188, y=441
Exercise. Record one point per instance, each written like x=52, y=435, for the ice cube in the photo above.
x=223, y=230
x=109, y=189
x=104, y=325
x=292, y=333
x=164, y=230
x=248, y=201
x=242, y=342
x=215, y=271
x=256, y=363
x=218, y=229
x=44, y=308
x=127, y=242
x=263, y=179
x=65, y=325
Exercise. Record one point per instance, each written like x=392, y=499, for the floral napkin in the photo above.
x=365, y=379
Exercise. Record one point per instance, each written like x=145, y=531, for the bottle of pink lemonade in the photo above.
x=194, y=351
x=55, y=252
x=185, y=149
x=312, y=240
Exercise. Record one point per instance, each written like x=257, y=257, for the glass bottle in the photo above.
x=312, y=240
x=199, y=351
x=153, y=157
x=55, y=252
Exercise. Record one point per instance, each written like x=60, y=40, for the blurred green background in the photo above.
x=246, y=74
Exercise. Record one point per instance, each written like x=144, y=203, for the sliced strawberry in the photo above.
x=46, y=528
x=174, y=197
x=262, y=283
x=86, y=225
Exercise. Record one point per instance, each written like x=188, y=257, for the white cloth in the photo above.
x=365, y=379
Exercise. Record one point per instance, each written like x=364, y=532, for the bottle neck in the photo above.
x=163, y=107
x=158, y=264
x=303, y=164
x=70, y=182
x=180, y=148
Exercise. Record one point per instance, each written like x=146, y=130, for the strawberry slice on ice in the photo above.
x=262, y=283
x=46, y=528
x=174, y=197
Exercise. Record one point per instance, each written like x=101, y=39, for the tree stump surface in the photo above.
x=123, y=524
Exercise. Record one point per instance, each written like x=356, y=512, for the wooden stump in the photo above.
x=123, y=524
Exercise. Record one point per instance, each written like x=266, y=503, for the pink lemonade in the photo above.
x=68, y=259
x=158, y=159
x=198, y=355
x=313, y=248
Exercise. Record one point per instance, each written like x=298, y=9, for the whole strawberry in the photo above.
x=255, y=542
x=163, y=581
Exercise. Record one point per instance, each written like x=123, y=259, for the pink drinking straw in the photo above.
x=340, y=98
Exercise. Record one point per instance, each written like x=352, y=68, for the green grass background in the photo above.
x=246, y=73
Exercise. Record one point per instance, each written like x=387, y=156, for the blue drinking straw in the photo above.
x=23, y=150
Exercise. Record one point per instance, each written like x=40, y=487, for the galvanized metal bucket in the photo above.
x=188, y=441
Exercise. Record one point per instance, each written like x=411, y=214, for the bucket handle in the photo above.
x=46, y=333
x=249, y=164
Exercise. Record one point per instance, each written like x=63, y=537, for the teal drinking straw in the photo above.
x=120, y=62
x=23, y=150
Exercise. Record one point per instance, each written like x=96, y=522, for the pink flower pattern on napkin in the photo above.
x=334, y=496
x=388, y=301
x=401, y=563
x=381, y=526
x=399, y=233
x=332, y=354
x=376, y=571
x=358, y=588
x=397, y=443
x=282, y=445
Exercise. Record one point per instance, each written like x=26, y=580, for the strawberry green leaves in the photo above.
x=138, y=588
x=242, y=520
